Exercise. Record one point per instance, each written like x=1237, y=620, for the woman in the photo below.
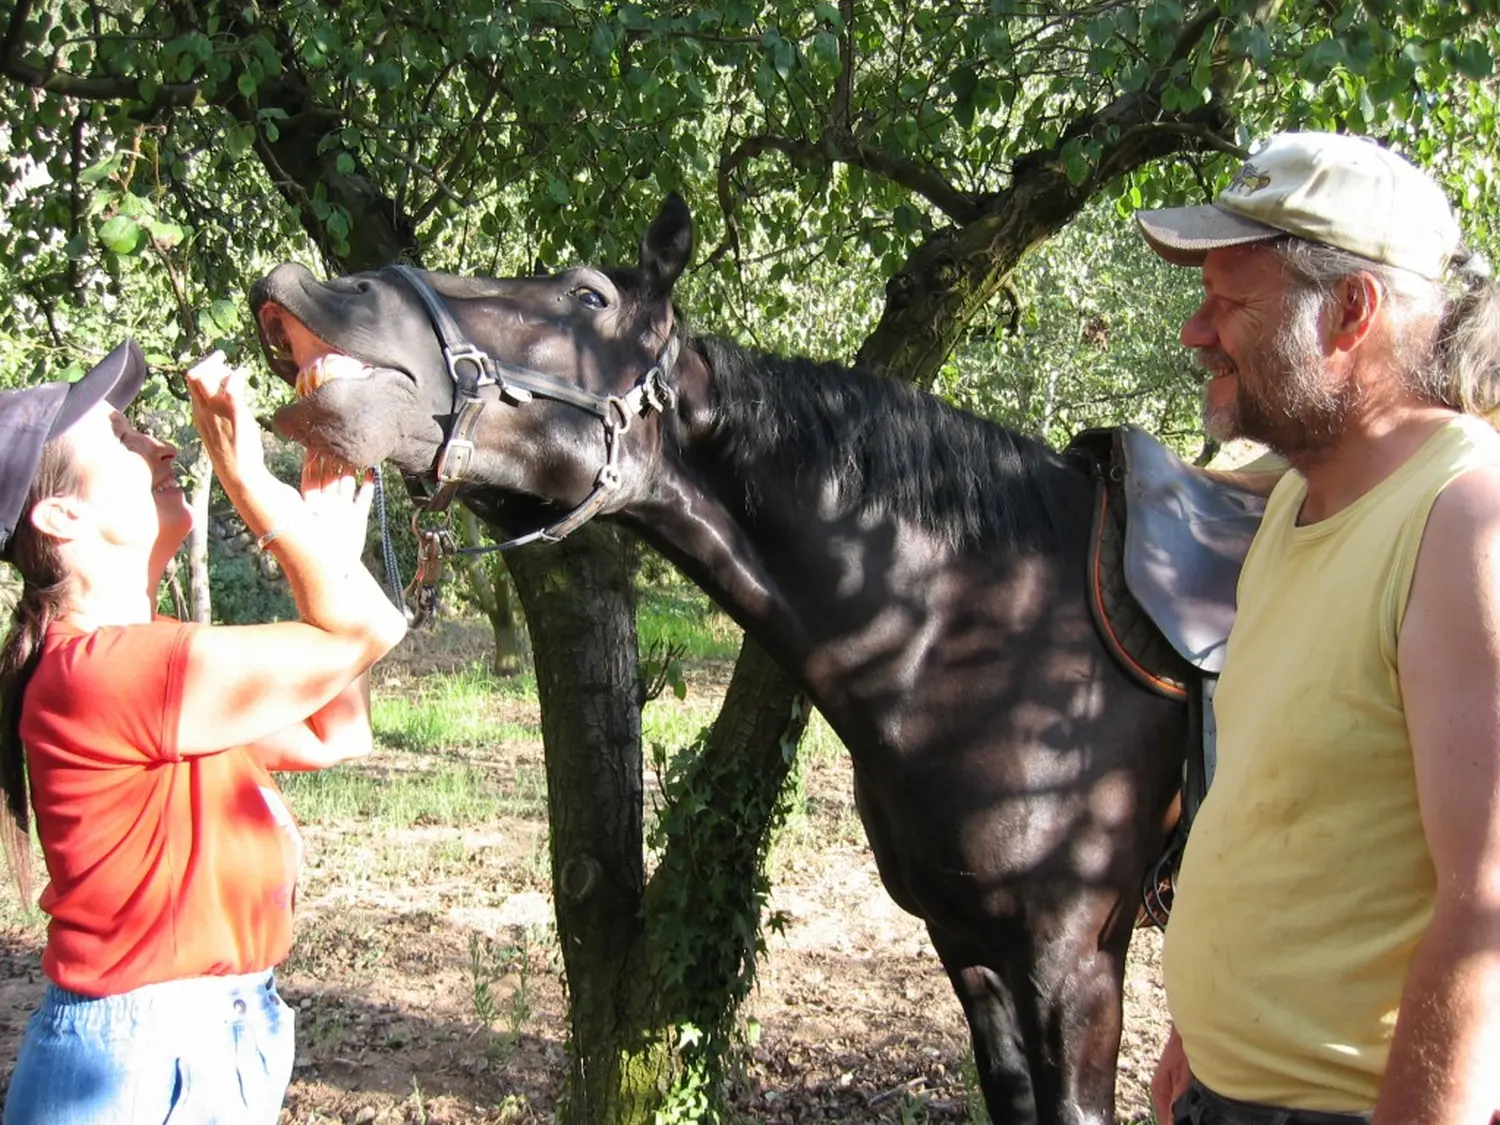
x=148, y=744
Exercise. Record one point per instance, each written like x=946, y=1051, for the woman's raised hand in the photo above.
x=224, y=419
x=231, y=436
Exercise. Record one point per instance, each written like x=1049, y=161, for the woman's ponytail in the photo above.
x=43, y=599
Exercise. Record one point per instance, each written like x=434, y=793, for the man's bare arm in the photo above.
x=1443, y=1067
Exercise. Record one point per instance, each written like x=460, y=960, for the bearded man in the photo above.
x=1334, y=949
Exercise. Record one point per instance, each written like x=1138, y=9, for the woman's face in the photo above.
x=126, y=480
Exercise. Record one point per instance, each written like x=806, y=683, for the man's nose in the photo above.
x=1198, y=330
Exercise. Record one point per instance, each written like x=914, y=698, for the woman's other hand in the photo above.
x=340, y=498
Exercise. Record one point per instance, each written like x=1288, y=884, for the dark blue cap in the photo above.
x=32, y=417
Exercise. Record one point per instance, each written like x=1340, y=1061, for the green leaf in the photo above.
x=1475, y=61
x=120, y=235
x=783, y=56
x=223, y=316
x=134, y=206
x=344, y=164
x=239, y=139
x=1316, y=65
x=825, y=47
x=165, y=234
x=96, y=173
x=246, y=84
x=1260, y=47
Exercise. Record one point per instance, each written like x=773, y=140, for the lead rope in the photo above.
x=387, y=546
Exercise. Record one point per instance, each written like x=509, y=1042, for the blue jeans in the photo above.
x=1201, y=1106
x=188, y=1052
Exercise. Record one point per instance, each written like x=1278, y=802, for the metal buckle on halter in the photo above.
x=459, y=450
x=659, y=394
x=620, y=424
x=456, y=354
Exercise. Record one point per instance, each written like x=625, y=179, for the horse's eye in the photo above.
x=590, y=298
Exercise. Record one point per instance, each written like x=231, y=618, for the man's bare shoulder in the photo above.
x=1470, y=503
x=1458, y=564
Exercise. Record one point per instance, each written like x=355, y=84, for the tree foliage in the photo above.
x=867, y=177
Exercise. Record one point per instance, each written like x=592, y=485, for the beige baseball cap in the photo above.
x=1347, y=192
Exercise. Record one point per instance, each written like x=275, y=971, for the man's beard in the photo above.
x=1283, y=398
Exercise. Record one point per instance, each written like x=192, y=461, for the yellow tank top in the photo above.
x=1307, y=882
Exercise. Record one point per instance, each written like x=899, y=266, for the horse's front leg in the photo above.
x=1080, y=1008
x=1001, y=1053
x=1045, y=1020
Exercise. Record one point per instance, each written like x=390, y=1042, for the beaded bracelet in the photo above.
x=265, y=540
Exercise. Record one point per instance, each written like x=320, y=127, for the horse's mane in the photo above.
x=888, y=448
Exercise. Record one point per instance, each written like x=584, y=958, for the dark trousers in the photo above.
x=1201, y=1106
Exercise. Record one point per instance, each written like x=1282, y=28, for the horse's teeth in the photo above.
x=327, y=368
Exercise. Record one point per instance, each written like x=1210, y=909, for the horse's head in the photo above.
x=561, y=366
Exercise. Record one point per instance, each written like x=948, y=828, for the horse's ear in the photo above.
x=667, y=246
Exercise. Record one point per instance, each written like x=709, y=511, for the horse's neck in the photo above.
x=711, y=544
x=805, y=567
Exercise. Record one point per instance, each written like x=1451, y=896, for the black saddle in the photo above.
x=1164, y=560
x=1168, y=546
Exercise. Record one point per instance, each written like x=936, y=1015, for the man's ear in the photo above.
x=57, y=516
x=1358, y=299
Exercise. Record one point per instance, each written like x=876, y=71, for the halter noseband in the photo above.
x=472, y=370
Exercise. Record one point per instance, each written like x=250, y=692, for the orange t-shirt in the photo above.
x=162, y=866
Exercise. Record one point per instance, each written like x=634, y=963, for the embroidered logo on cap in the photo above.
x=1248, y=179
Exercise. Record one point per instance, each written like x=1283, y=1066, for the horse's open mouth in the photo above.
x=298, y=356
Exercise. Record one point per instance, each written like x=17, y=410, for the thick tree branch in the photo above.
x=13, y=29
x=843, y=88
x=107, y=87
x=839, y=145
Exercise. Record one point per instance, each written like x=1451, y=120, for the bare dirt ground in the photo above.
x=427, y=984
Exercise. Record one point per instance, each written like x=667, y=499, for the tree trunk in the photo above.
x=490, y=585
x=578, y=598
x=705, y=899
x=199, y=597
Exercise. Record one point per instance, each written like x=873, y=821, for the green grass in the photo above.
x=682, y=616
x=672, y=723
x=444, y=715
x=453, y=710
x=454, y=795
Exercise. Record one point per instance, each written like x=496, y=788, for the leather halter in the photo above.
x=472, y=370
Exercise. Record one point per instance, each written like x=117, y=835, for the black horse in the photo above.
x=920, y=570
